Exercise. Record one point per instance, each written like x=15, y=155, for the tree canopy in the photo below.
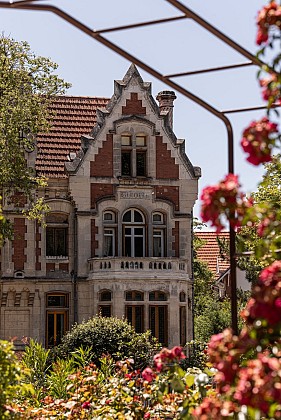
x=27, y=85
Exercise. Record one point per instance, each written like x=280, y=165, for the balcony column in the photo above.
x=118, y=309
x=174, y=320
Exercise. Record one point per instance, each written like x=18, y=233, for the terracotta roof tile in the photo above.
x=73, y=117
x=209, y=252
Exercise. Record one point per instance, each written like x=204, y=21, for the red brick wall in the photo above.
x=94, y=242
x=103, y=163
x=98, y=191
x=175, y=245
x=50, y=267
x=133, y=106
x=19, y=199
x=166, y=168
x=170, y=193
x=19, y=243
x=63, y=266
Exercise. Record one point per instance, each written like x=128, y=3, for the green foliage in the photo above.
x=109, y=336
x=58, y=379
x=27, y=85
x=35, y=361
x=9, y=379
x=257, y=251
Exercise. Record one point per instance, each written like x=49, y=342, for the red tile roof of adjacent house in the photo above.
x=73, y=116
x=209, y=252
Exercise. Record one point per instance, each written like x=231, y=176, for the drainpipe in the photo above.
x=75, y=269
x=192, y=276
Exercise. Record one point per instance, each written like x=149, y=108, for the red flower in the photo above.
x=258, y=140
x=177, y=353
x=86, y=405
x=268, y=17
x=271, y=91
x=224, y=199
x=148, y=374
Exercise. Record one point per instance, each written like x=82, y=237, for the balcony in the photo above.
x=148, y=267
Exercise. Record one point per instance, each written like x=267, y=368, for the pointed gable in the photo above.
x=133, y=106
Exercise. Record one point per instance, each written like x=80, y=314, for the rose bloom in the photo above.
x=269, y=15
x=224, y=199
x=148, y=374
x=271, y=89
x=258, y=140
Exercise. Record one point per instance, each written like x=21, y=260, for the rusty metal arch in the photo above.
x=186, y=13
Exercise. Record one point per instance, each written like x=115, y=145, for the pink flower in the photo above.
x=86, y=405
x=258, y=140
x=148, y=374
x=177, y=353
x=224, y=199
x=146, y=416
x=269, y=16
x=271, y=91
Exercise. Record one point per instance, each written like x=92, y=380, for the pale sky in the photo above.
x=170, y=48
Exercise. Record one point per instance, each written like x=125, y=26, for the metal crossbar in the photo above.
x=187, y=14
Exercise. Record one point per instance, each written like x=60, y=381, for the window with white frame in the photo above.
x=133, y=155
x=109, y=229
x=159, y=235
x=133, y=233
x=105, y=303
x=57, y=235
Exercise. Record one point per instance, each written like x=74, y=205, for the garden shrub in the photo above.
x=9, y=378
x=109, y=336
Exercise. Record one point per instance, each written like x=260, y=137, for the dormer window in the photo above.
x=133, y=155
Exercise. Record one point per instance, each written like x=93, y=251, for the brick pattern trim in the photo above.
x=37, y=248
x=133, y=106
x=176, y=235
x=19, y=243
x=99, y=191
x=166, y=168
x=94, y=242
x=165, y=192
x=19, y=199
x=63, y=266
x=103, y=163
x=50, y=267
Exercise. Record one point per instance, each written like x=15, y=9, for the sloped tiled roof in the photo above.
x=73, y=117
x=209, y=252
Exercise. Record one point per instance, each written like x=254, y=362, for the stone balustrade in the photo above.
x=141, y=264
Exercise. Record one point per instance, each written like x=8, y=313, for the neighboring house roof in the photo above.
x=73, y=117
x=209, y=252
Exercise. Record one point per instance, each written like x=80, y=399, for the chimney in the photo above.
x=166, y=104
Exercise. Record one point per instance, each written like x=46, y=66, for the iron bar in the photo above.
x=209, y=70
x=166, y=79
x=210, y=28
x=253, y=108
x=140, y=24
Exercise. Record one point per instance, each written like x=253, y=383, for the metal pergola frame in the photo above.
x=186, y=13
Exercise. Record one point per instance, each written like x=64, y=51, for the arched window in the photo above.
x=133, y=234
x=105, y=299
x=158, y=295
x=134, y=295
x=109, y=234
x=57, y=235
x=182, y=297
x=159, y=235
